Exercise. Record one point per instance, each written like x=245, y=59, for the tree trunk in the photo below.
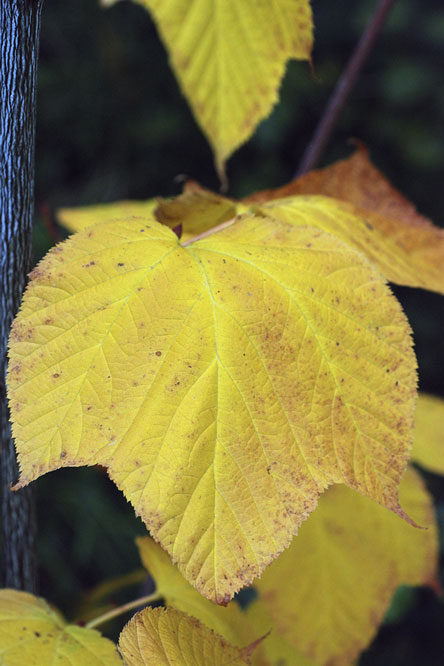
x=19, y=33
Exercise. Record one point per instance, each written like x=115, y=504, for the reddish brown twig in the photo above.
x=343, y=88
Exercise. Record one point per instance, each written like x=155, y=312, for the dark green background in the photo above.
x=112, y=124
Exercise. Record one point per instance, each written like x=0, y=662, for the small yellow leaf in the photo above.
x=33, y=634
x=428, y=446
x=196, y=210
x=228, y=621
x=159, y=637
x=224, y=385
x=378, y=220
x=327, y=594
x=230, y=57
x=81, y=217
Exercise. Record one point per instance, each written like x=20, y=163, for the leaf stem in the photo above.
x=343, y=88
x=210, y=232
x=115, y=612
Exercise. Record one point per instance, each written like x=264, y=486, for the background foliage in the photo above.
x=112, y=125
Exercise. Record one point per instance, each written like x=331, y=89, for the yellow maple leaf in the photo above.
x=375, y=218
x=229, y=58
x=159, y=637
x=224, y=385
x=326, y=595
x=428, y=447
x=34, y=634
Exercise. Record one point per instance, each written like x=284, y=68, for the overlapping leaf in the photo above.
x=327, y=594
x=428, y=448
x=33, y=634
x=362, y=208
x=228, y=621
x=223, y=385
x=329, y=591
x=378, y=221
x=81, y=217
x=159, y=637
x=230, y=57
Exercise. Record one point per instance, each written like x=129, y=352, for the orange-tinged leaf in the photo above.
x=224, y=385
x=379, y=221
x=159, y=637
x=81, y=217
x=327, y=594
x=428, y=446
x=196, y=210
x=33, y=634
x=230, y=58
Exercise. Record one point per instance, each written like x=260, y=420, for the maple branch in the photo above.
x=115, y=612
x=210, y=232
x=20, y=31
x=343, y=88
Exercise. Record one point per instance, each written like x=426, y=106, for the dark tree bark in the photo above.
x=19, y=33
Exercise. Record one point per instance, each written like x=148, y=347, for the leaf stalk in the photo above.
x=120, y=610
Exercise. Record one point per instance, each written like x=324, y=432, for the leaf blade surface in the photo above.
x=231, y=380
x=230, y=57
x=160, y=637
x=32, y=633
x=374, y=217
x=343, y=569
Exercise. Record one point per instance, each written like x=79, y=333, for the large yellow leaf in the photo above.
x=159, y=637
x=378, y=220
x=428, y=447
x=81, y=217
x=33, y=634
x=223, y=385
x=327, y=594
x=230, y=57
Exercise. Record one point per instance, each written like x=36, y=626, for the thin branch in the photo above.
x=120, y=610
x=343, y=89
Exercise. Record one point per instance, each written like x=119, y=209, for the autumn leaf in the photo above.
x=224, y=384
x=351, y=554
x=196, y=210
x=33, y=634
x=81, y=217
x=378, y=220
x=342, y=570
x=228, y=621
x=428, y=447
x=229, y=59
x=159, y=637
